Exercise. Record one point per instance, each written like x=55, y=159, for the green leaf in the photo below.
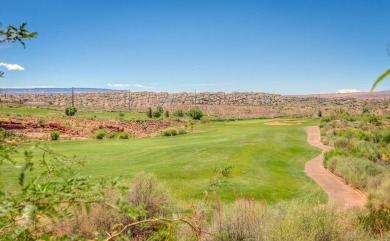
x=384, y=75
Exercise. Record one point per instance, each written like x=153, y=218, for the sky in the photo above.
x=273, y=46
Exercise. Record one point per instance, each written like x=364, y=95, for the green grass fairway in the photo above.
x=267, y=160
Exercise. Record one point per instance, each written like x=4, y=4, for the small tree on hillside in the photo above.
x=149, y=112
x=195, y=114
x=70, y=111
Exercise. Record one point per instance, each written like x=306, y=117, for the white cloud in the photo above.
x=141, y=86
x=204, y=84
x=343, y=91
x=11, y=66
x=118, y=85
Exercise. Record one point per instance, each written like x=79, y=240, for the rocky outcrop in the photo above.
x=121, y=101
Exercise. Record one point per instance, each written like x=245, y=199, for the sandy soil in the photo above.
x=284, y=123
x=277, y=123
x=339, y=193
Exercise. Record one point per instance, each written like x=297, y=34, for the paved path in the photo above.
x=339, y=193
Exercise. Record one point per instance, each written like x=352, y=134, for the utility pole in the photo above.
x=195, y=97
x=129, y=100
x=72, y=96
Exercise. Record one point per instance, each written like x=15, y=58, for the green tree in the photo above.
x=70, y=111
x=15, y=34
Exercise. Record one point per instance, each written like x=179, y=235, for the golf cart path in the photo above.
x=339, y=193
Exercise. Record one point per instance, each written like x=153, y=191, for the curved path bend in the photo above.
x=339, y=193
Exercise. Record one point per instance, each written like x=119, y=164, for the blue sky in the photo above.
x=275, y=46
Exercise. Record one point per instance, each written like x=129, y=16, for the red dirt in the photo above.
x=78, y=128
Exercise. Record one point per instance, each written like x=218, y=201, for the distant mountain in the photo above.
x=53, y=90
x=358, y=95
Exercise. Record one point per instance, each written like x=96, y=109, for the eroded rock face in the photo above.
x=128, y=100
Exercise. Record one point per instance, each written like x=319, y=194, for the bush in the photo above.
x=70, y=111
x=100, y=135
x=160, y=109
x=123, y=135
x=355, y=171
x=167, y=114
x=149, y=112
x=146, y=192
x=182, y=132
x=54, y=135
x=178, y=113
x=156, y=114
x=171, y=132
x=195, y=114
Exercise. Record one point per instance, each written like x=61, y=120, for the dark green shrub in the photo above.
x=160, y=109
x=123, y=135
x=156, y=114
x=171, y=132
x=54, y=135
x=365, y=110
x=386, y=137
x=195, y=114
x=334, y=152
x=100, y=135
x=149, y=112
x=178, y=113
x=70, y=111
x=167, y=114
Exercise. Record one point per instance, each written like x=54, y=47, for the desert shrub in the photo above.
x=167, y=114
x=242, y=220
x=341, y=142
x=149, y=112
x=70, y=111
x=178, y=113
x=289, y=222
x=195, y=114
x=121, y=116
x=54, y=135
x=377, y=221
x=332, y=153
x=325, y=119
x=112, y=135
x=372, y=119
x=146, y=192
x=156, y=114
x=354, y=170
x=182, y=132
x=123, y=135
x=365, y=149
x=100, y=135
x=379, y=190
x=160, y=109
x=386, y=137
x=365, y=110
x=170, y=132
x=353, y=133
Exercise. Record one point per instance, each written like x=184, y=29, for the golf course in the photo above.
x=263, y=160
